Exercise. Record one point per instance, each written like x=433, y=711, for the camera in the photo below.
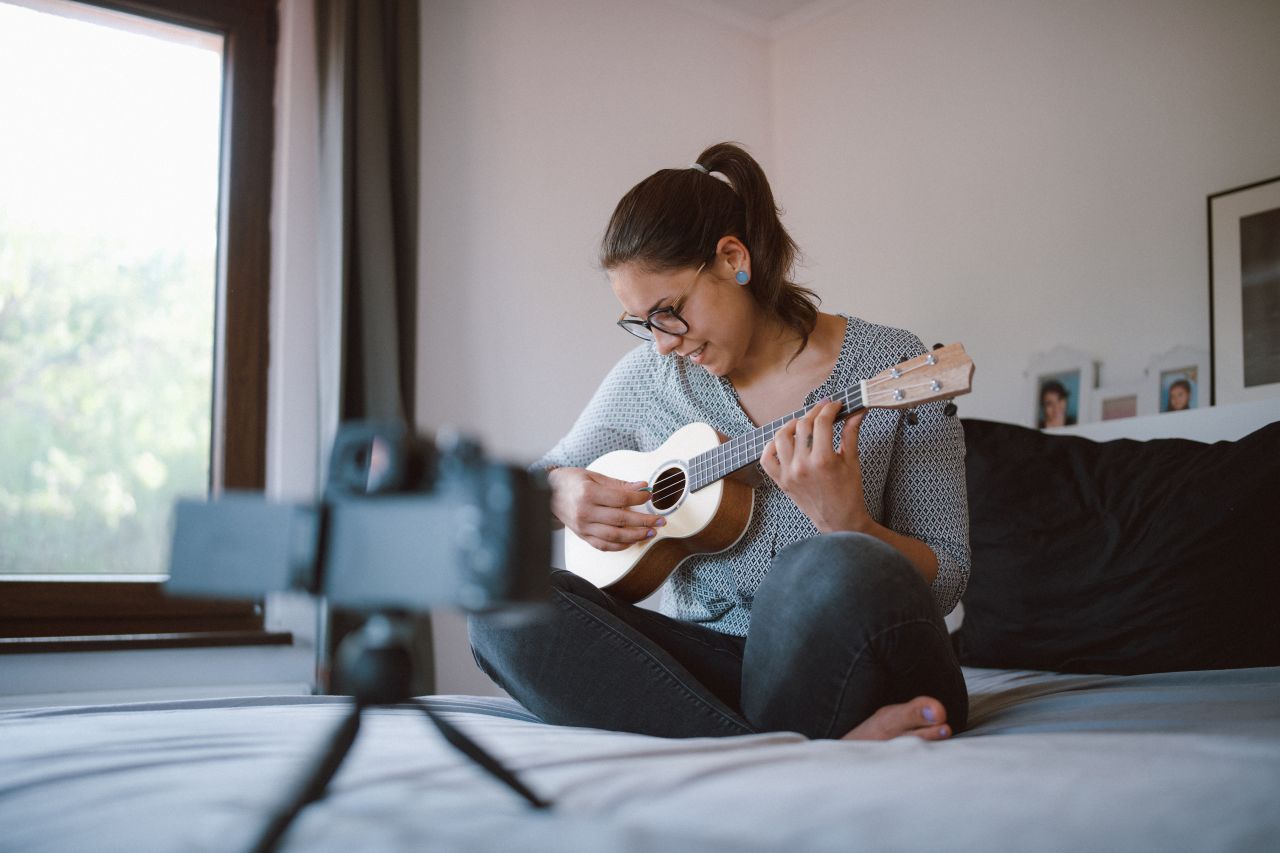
x=406, y=524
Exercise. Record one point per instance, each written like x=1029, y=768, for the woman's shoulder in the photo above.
x=640, y=361
x=641, y=370
x=873, y=346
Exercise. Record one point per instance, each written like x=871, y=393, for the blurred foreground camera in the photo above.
x=406, y=524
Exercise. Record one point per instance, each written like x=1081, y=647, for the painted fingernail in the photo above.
x=929, y=714
x=944, y=731
x=650, y=533
x=662, y=521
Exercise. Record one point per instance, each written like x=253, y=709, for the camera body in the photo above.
x=406, y=524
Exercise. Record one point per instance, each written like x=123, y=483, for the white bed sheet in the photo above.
x=1176, y=761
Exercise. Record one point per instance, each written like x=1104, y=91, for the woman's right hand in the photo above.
x=598, y=508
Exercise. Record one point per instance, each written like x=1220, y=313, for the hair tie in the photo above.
x=719, y=176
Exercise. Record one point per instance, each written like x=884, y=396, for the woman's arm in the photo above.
x=826, y=483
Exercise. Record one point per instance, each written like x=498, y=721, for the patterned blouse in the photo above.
x=913, y=475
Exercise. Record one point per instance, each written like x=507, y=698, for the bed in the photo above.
x=1101, y=717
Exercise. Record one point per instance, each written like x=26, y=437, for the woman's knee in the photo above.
x=501, y=641
x=849, y=570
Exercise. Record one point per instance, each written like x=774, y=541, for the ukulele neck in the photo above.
x=746, y=449
x=943, y=373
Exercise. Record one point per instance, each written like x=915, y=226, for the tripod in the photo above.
x=374, y=666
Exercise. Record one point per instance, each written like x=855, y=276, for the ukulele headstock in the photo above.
x=937, y=375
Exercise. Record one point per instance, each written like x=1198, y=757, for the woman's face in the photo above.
x=1055, y=409
x=1179, y=398
x=719, y=312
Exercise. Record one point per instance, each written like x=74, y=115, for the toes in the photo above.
x=928, y=711
x=923, y=717
x=932, y=732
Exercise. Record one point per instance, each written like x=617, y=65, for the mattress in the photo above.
x=1164, y=762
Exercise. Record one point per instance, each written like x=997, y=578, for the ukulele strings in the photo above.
x=745, y=448
x=741, y=450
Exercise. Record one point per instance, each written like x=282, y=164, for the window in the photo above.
x=133, y=299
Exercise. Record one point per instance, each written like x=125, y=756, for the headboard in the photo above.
x=1139, y=545
x=1212, y=423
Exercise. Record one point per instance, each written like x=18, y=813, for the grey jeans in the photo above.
x=842, y=625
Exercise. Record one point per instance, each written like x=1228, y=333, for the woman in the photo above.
x=826, y=617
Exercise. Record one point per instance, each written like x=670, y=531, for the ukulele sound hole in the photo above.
x=668, y=489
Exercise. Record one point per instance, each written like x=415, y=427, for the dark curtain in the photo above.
x=367, y=64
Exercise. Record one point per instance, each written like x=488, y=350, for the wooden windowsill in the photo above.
x=115, y=606
x=135, y=642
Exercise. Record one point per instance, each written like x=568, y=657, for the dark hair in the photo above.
x=1185, y=383
x=675, y=217
x=1053, y=386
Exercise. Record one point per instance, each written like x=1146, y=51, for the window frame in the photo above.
x=131, y=612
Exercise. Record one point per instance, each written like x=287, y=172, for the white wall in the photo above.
x=537, y=117
x=1019, y=174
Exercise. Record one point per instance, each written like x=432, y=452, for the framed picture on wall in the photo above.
x=1123, y=400
x=1244, y=292
x=1177, y=378
x=1060, y=388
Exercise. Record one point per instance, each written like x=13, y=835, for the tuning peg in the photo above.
x=912, y=418
x=950, y=410
x=937, y=346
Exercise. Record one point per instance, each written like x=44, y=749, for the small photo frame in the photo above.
x=1244, y=292
x=1123, y=400
x=1113, y=408
x=1061, y=386
x=1177, y=377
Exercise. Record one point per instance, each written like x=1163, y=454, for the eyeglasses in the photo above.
x=666, y=319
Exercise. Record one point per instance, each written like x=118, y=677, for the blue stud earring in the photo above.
x=742, y=277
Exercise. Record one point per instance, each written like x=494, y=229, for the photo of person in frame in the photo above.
x=1057, y=401
x=1178, y=389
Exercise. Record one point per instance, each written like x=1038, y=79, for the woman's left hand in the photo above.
x=825, y=483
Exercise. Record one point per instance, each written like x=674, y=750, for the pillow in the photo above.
x=1122, y=556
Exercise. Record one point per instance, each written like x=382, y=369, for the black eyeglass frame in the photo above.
x=643, y=329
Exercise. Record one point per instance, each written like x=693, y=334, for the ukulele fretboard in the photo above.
x=746, y=449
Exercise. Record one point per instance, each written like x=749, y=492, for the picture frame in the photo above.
x=1124, y=400
x=1067, y=379
x=1177, y=379
x=1244, y=292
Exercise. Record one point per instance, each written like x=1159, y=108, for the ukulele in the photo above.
x=706, y=510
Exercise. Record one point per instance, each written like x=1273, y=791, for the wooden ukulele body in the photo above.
x=707, y=521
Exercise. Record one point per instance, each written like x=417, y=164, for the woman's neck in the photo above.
x=774, y=351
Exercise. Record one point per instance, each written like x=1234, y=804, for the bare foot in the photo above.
x=923, y=717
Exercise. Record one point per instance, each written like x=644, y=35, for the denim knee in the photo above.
x=851, y=572
x=496, y=638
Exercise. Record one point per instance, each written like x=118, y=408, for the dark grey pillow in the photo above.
x=1121, y=556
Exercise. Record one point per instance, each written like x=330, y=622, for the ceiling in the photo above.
x=762, y=17
x=767, y=10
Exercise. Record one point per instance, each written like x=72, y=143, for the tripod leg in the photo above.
x=476, y=753
x=314, y=783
